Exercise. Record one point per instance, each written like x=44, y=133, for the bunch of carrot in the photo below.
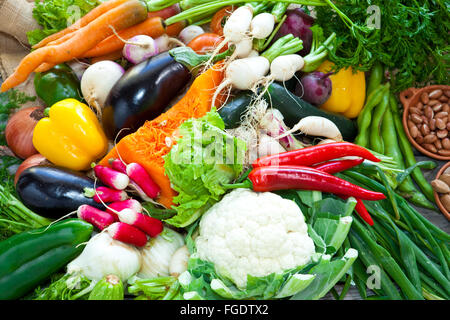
x=97, y=34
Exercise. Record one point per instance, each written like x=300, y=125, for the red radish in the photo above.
x=111, y=178
x=151, y=226
x=98, y=218
x=138, y=190
x=138, y=174
x=131, y=204
x=128, y=234
x=104, y=194
x=118, y=165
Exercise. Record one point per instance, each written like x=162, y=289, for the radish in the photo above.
x=140, y=48
x=151, y=226
x=317, y=126
x=243, y=48
x=283, y=68
x=104, y=194
x=138, y=174
x=118, y=165
x=116, y=207
x=98, y=218
x=97, y=82
x=164, y=42
x=248, y=73
x=111, y=178
x=262, y=25
x=127, y=234
x=238, y=24
x=189, y=33
x=236, y=29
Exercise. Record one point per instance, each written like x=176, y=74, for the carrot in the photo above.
x=44, y=67
x=84, y=21
x=149, y=144
x=119, y=18
x=152, y=27
x=174, y=29
x=113, y=56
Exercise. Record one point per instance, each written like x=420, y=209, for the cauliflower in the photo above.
x=249, y=233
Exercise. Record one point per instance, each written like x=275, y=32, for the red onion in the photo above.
x=34, y=160
x=19, y=131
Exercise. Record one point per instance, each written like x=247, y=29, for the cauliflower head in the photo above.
x=249, y=233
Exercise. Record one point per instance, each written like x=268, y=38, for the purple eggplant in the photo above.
x=143, y=92
x=53, y=192
x=146, y=89
x=299, y=24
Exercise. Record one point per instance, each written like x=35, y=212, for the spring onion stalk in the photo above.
x=388, y=263
x=283, y=46
x=15, y=216
x=215, y=5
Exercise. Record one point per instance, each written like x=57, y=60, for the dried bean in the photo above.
x=440, y=124
x=424, y=98
x=446, y=143
x=440, y=186
x=444, y=152
x=416, y=119
x=430, y=147
x=441, y=134
x=445, y=200
x=428, y=139
x=435, y=94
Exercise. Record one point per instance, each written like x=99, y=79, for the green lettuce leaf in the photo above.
x=56, y=15
x=204, y=158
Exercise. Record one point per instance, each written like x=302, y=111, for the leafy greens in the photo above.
x=56, y=15
x=412, y=39
x=204, y=158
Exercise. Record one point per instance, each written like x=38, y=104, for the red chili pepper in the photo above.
x=265, y=179
x=316, y=154
x=338, y=165
x=361, y=209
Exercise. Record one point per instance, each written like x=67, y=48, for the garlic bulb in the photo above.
x=103, y=256
x=158, y=252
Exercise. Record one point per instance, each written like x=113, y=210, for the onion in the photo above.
x=34, y=160
x=19, y=131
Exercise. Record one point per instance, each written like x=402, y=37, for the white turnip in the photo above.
x=97, y=82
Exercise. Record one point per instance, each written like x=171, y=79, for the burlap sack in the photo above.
x=16, y=18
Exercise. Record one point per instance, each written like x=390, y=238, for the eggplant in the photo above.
x=143, y=92
x=53, y=192
x=146, y=89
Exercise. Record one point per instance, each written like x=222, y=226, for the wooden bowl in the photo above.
x=436, y=195
x=410, y=97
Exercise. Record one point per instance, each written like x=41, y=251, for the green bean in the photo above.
x=365, y=117
x=375, y=78
x=434, y=245
x=375, y=140
x=407, y=151
x=433, y=285
x=376, y=186
x=388, y=263
x=421, y=258
x=368, y=258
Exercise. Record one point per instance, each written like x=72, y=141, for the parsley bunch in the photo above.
x=412, y=40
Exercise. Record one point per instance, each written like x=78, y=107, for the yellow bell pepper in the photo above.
x=348, y=92
x=71, y=136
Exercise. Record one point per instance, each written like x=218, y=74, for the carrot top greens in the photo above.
x=411, y=38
